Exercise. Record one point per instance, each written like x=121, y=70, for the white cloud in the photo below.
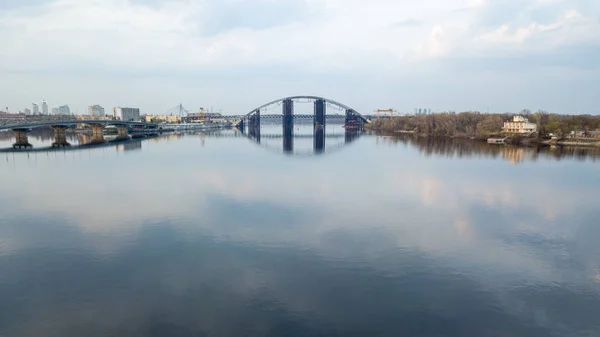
x=91, y=37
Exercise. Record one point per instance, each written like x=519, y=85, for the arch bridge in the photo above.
x=352, y=119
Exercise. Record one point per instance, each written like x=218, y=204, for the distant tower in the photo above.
x=420, y=110
x=44, y=107
x=36, y=109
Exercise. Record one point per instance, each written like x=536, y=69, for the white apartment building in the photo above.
x=127, y=114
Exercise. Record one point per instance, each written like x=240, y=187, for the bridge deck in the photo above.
x=73, y=123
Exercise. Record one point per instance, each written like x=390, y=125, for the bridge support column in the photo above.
x=348, y=117
x=21, y=139
x=319, y=118
x=97, y=133
x=240, y=125
x=122, y=132
x=288, y=113
x=353, y=121
x=288, y=126
x=254, y=126
x=60, y=136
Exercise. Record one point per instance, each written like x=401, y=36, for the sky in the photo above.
x=235, y=55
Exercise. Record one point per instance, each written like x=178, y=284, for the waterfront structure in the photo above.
x=126, y=114
x=519, y=125
x=63, y=110
x=36, y=109
x=44, y=107
x=96, y=110
x=162, y=118
x=203, y=115
x=584, y=134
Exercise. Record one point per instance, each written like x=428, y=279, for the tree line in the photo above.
x=482, y=125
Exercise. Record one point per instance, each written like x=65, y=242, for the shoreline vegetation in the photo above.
x=553, y=129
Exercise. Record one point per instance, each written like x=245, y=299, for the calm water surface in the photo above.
x=216, y=235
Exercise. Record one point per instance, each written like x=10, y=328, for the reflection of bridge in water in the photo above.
x=87, y=141
x=288, y=137
x=353, y=122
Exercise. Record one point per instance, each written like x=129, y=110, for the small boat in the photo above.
x=496, y=140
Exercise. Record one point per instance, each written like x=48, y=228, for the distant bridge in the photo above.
x=59, y=127
x=74, y=123
x=351, y=117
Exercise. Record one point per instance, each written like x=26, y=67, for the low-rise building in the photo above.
x=126, y=114
x=584, y=134
x=162, y=119
x=519, y=125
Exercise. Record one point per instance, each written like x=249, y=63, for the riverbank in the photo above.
x=515, y=141
x=479, y=126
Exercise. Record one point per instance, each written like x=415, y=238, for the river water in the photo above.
x=216, y=235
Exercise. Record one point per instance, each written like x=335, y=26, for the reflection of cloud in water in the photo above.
x=205, y=286
x=134, y=199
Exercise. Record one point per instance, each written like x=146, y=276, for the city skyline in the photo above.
x=452, y=55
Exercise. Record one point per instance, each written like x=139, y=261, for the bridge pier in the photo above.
x=240, y=125
x=60, y=136
x=122, y=132
x=288, y=114
x=254, y=126
x=319, y=117
x=288, y=126
x=353, y=121
x=254, y=119
x=98, y=133
x=21, y=139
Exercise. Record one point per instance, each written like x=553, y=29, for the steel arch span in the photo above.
x=310, y=98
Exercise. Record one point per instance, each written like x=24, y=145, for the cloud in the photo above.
x=384, y=41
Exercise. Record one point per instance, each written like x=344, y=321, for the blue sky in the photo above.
x=234, y=55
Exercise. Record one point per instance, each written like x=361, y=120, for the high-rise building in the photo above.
x=27, y=111
x=127, y=114
x=55, y=111
x=64, y=110
x=96, y=111
x=36, y=109
x=44, y=107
